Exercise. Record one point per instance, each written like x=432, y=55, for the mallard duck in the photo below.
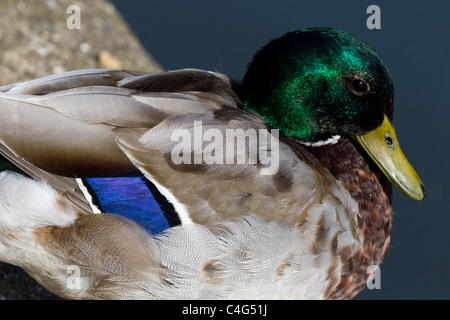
x=188, y=184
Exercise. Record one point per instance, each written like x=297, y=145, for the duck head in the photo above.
x=320, y=83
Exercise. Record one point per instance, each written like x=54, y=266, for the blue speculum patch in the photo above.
x=129, y=197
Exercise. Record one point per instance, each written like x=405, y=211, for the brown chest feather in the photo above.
x=372, y=192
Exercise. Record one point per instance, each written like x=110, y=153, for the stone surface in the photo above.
x=35, y=41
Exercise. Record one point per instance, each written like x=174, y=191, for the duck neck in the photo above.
x=368, y=187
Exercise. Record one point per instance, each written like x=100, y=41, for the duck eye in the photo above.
x=359, y=86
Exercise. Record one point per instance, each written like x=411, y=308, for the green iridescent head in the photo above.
x=316, y=83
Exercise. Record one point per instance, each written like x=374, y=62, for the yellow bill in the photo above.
x=382, y=146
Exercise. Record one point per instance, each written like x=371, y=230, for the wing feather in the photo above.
x=104, y=122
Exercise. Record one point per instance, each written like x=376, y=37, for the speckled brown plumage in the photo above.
x=372, y=192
